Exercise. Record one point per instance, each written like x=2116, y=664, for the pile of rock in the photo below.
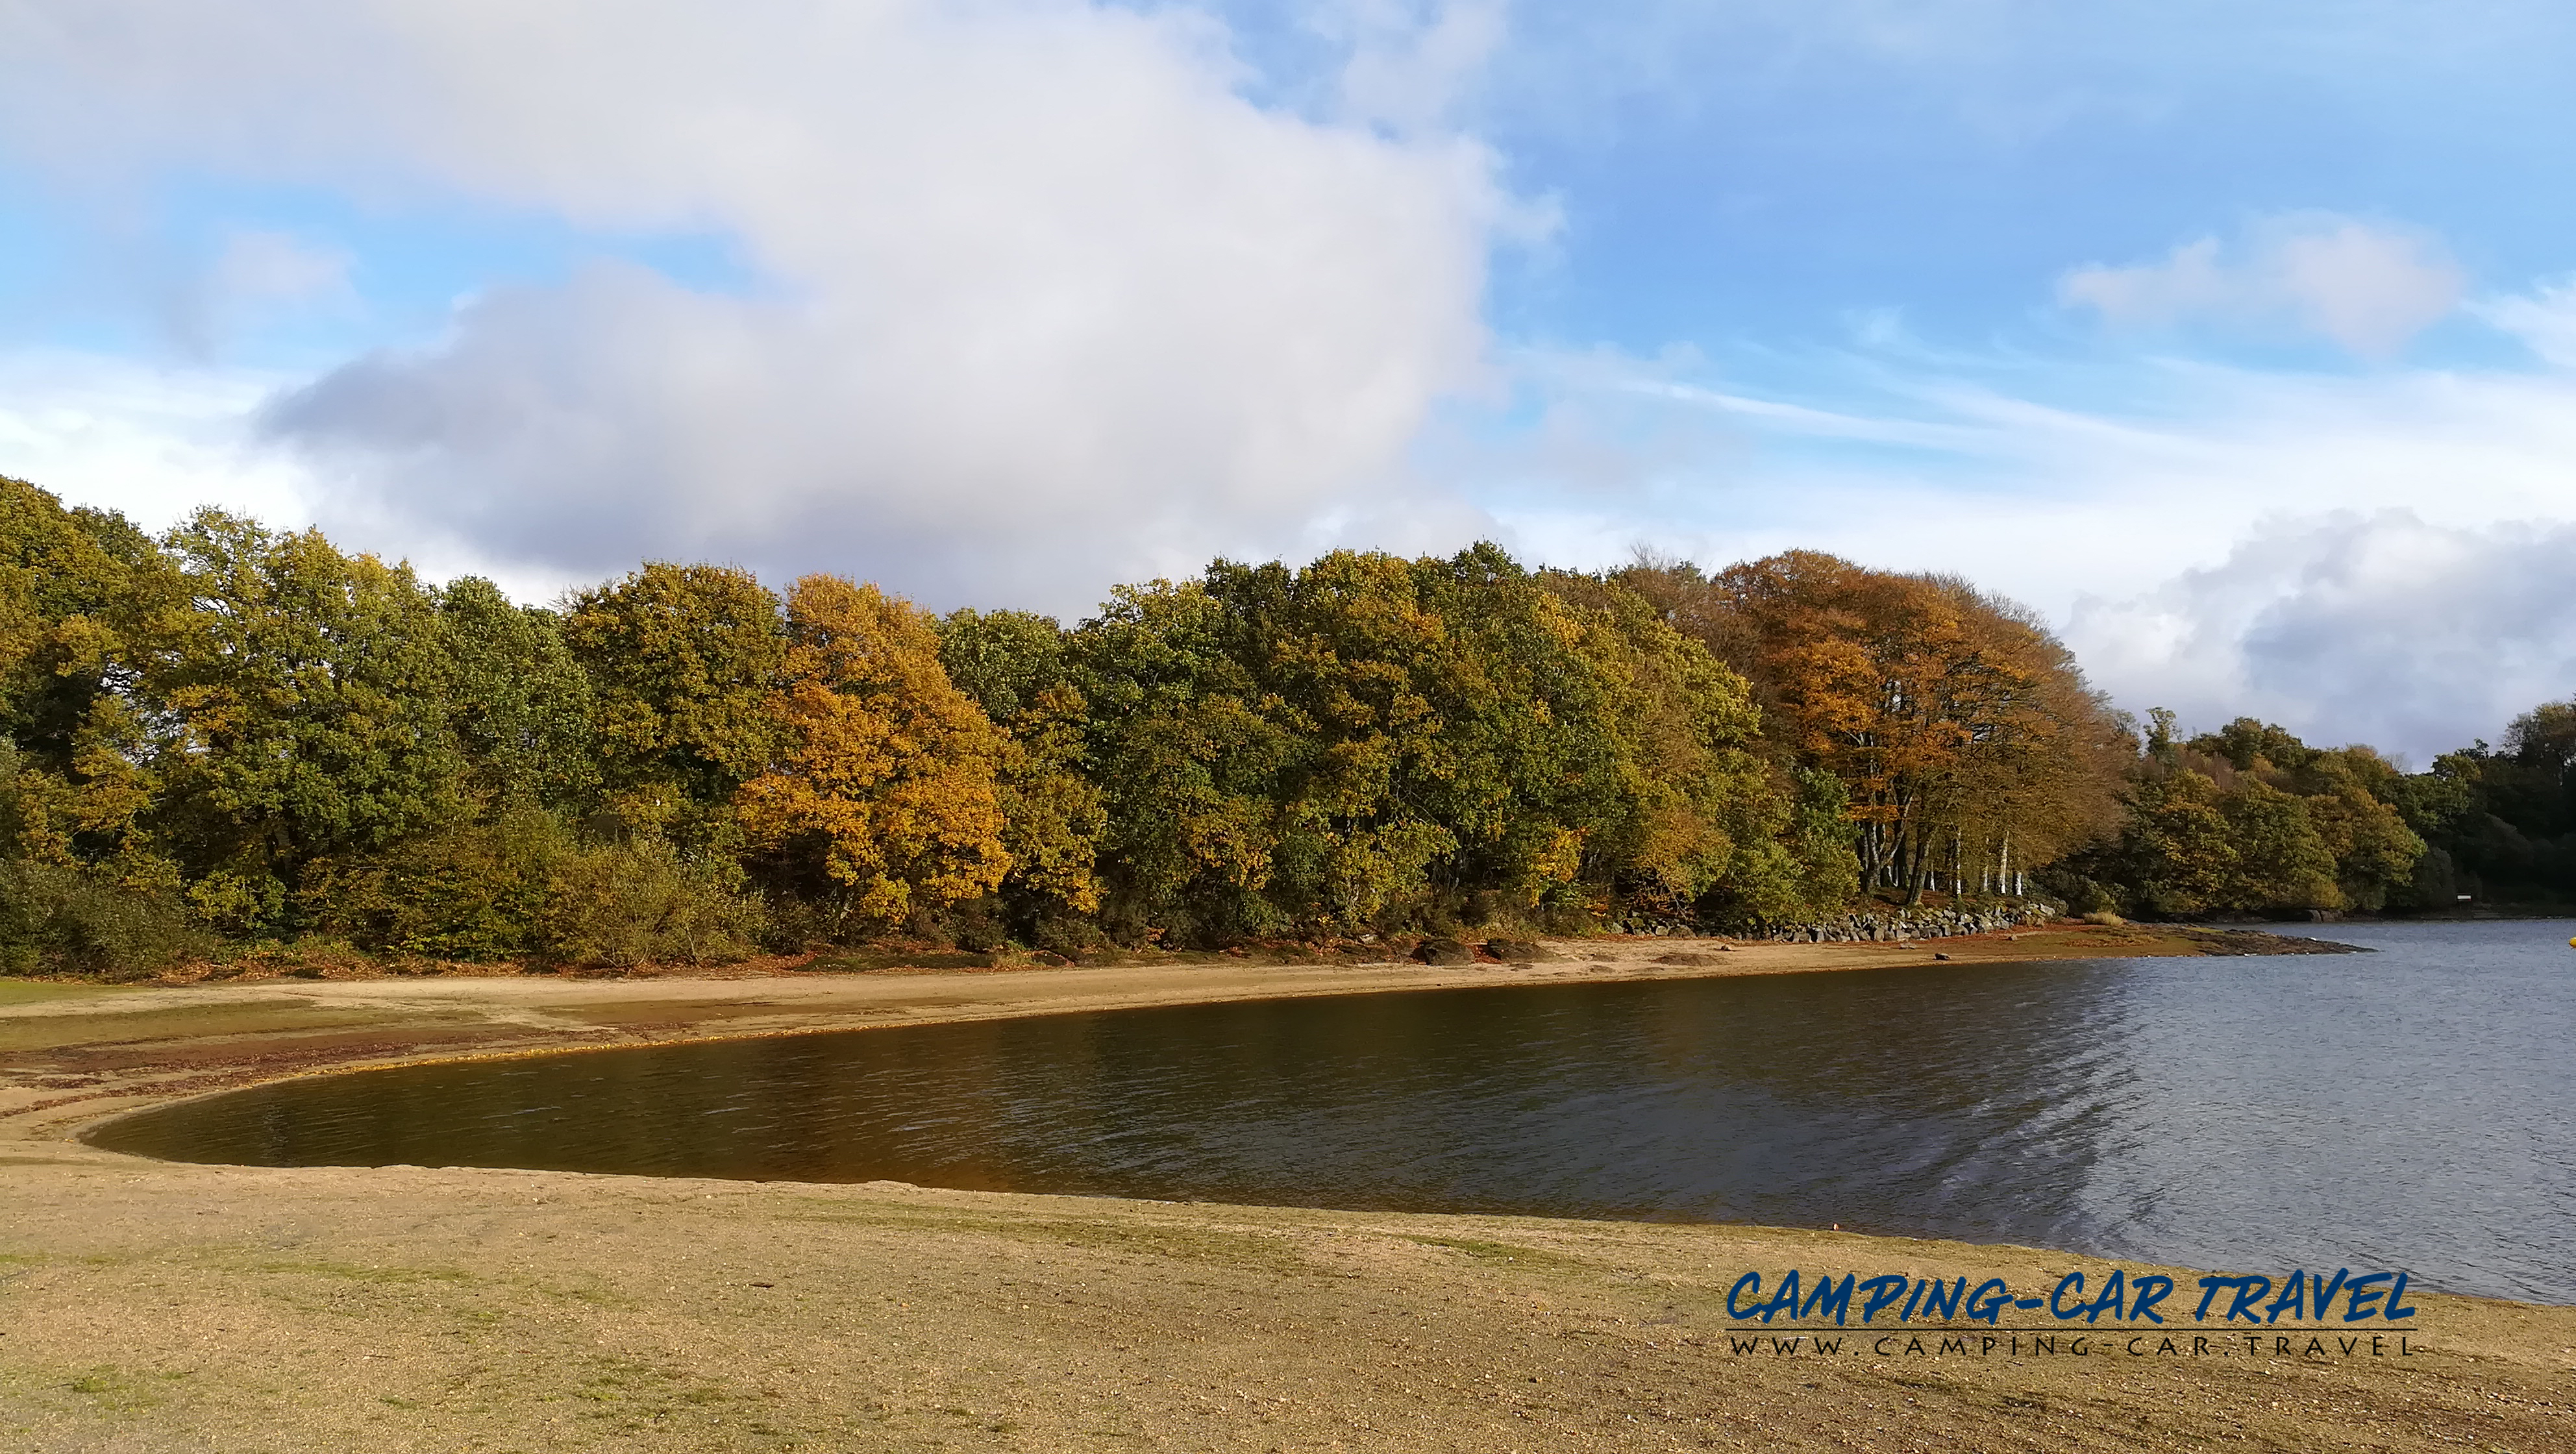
x=1897, y=924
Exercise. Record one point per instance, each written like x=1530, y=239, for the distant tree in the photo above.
x=2249, y=819
x=2501, y=821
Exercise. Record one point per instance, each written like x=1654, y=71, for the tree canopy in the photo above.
x=233, y=734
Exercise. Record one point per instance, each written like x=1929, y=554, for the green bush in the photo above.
x=474, y=891
x=644, y=904
x=59, y=919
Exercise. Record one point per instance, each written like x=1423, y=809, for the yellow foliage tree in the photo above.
x=886, y=783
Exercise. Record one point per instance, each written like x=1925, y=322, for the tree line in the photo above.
x=226, y=735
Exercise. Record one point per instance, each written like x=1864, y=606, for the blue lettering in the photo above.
x=2209, y=1287
x=1989, y=1302
x=2358, y=1303
x=2249, y=1291
x=2056, y=1300
x=2293, y=1299
x=2393, y=1312
x=2321, y=1293
x=1786, y=1299
x=1752, y=1280
x=1944, y=1302
x=1880, y=1291
x=2115, y=1290
x=1828, y=1297
x=2151, y=1291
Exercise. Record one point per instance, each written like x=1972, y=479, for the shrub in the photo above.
x=643, y=903
x=474, y=891
x=59, y=919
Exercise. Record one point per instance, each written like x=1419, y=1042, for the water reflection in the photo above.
x=2407, y=1108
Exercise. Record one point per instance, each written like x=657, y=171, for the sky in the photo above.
x=2238, y=341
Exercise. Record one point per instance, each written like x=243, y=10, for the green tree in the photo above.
x=683, y=662
x=520, y=705
x=1014, y=664
x=301, y=714
x=87, y=604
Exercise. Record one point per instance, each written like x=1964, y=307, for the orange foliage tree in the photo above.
x=885, y=789
x=1965, y=739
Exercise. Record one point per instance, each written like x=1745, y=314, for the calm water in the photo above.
x=2410, y=1108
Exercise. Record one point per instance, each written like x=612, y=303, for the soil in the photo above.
x=150, y=1306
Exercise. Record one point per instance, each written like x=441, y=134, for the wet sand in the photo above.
x=154, y=1306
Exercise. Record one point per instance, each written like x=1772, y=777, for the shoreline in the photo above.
x=166, y=1305
x=115, y=1049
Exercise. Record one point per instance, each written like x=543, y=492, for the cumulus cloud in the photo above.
x=1041, y=299
x=2369, y=287
x=2379, y=628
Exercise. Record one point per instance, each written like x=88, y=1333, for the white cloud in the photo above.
x=153, y=442
x=2413, y=596
x=2544, y=319
x=2378, y=628
x=1043, y=301
x=157, y=441
x=2369, y=287
x=1410, y=64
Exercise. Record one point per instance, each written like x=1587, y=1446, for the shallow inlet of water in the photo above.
x=2413, y=1108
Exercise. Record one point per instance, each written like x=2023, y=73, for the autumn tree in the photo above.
x=88, y=604
x=1961, y=732
x=2249, y=819
x=881, y=791
x=1372, y=741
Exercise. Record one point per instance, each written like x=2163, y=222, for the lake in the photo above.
x=2409, y=1108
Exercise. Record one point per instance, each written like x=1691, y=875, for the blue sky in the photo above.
x=2239, y=341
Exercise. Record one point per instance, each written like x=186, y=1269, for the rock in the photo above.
x=1938, y=955
x=1518, y=951
x=1443, y=951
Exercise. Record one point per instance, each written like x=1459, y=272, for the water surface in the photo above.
x=2409, y=1108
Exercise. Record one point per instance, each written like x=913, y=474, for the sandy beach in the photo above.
x=155, y=1306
